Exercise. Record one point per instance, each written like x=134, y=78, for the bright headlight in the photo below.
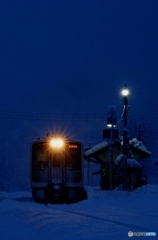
x=56, y=143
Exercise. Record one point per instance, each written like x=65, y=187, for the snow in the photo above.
x=96, y=148
x=130, y=162
x=104, y=215
x=138, y=144
x=133, y=163
x=133, y=143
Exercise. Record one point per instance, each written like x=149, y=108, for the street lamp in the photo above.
x=125, y=93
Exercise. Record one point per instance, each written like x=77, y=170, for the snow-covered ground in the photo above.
x=105, y=215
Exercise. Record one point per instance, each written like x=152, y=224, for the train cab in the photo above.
x=56, y=170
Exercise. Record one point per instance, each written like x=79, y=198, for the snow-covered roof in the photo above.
x=138, y=149
x=138, y=145
x=130, y=162
x=96, y=148
x=133, y=163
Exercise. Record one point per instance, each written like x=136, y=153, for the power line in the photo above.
x=81, y=117
x=39, y=116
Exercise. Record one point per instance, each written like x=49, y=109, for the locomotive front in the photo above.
x=56, y=170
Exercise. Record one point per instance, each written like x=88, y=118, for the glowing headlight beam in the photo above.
x=56, y=143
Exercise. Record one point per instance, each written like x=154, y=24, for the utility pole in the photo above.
x=125, y=93
x=139, y=132
x=111, y=123
x=111, y=160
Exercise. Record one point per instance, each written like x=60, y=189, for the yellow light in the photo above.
x=73, y=146
x=57, y=143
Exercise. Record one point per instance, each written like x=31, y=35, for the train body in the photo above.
x=56, y=170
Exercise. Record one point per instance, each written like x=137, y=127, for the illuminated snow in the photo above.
x=105, y=215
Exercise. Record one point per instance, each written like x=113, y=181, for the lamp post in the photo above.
x=111, y=123
x=125, y=93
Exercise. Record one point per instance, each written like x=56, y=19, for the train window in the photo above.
x=39, y=156
x=73, y=161
x=73, y=156
x=56, y=159
x=39, y=163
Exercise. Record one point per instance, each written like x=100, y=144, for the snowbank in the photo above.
x=105, y=215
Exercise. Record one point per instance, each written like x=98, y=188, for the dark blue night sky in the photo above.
x=72, y=56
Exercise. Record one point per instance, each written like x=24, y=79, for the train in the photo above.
x=56, y=170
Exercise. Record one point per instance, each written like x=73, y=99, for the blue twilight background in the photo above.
x=62, y=63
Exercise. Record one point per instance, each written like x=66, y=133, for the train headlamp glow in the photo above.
x=56, y=143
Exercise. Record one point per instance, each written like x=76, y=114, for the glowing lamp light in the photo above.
x=125, y=92
x=109, y=125
x=111, y=122
x=57, y=143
